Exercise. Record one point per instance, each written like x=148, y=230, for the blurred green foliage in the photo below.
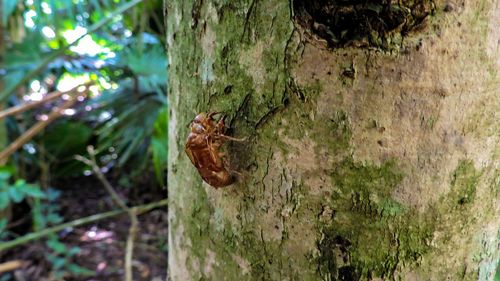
x=17, y=191
x=125, y=117
x=125, y=59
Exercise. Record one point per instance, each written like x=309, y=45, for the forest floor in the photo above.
x=102, y=244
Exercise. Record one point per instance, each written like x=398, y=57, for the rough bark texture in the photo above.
x=361, y=164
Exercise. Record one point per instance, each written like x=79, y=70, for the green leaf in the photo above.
x=37, y=215
x=33, y=191
x=160, y=156
x=54, y=218
x=6, y=277
x=3, y=224
x=57, y=246
x=80, y=271
x=16, y=194
x=4, y=175
x=52, y=194
x=74, y=251
x=20, y=183
x=4, y=200
x=59, y=263
x=8, y=7
x=148, y=62
x=96, y=6
x=159, y=145
x=50, y=257
x=67, y=138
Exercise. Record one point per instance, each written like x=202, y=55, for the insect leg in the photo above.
x=211, y=114
x=211, y=148
x=231, y=138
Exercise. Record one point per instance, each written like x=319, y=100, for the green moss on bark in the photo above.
x=463, y=185
x=370, y=234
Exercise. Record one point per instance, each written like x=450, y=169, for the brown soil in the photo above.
x=102, y=243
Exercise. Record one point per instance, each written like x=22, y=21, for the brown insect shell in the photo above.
x=202, y=147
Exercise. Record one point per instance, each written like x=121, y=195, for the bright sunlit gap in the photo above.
x=46, y=8
x=29, y=16
x=48, y=32
x=86, y=45
x=69, y=112
x=30, y=148
x=35, y=86
x=68, y=82
x=38, y=92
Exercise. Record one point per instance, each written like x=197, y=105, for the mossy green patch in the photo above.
x=242, y=26
x=463, y=185
x=456, y=212
x=370, y=234
x=365, y=179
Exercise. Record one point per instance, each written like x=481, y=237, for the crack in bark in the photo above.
x=266, y=116
x=247, y=19
x=266, y=171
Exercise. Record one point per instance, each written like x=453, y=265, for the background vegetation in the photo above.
x=114, y=127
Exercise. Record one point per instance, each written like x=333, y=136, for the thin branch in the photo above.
x=134, y=222
x=29, y=105
x=97, y=172
x=32, y=104
x=82, y=221
x=52, y=56
x=129, y=249
x=35, y=129
x=11, y=265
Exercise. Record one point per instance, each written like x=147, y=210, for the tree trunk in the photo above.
x=372, y=163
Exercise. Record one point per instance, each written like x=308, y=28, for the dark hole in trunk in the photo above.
x=377, y=23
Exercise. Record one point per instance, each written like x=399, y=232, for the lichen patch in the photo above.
x=493, y=43
x=178, y=270
x=210, y=262
x=251, y=61
x=242, y=263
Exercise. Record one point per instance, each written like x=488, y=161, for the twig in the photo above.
x=129, y=249
x=29, y=105
x=35, y=129
x=32, y=104
x=11, y=265
x=134, y=223
x=82, y=221
x=97, y=172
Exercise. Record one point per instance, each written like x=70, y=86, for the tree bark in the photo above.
x=360, y=164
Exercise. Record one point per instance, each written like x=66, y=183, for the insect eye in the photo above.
x=199, y=118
